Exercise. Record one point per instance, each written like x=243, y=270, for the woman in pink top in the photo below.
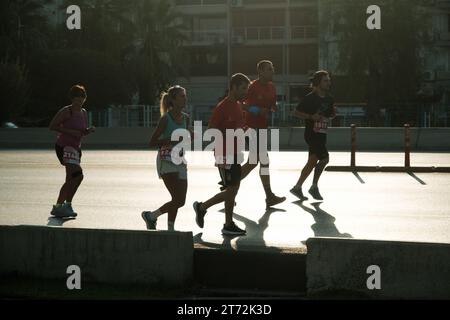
x=71, y=124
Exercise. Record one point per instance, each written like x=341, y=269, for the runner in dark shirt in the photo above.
x=317, y=109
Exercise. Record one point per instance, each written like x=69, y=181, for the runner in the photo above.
x=317, y=108
x=227, y=115
x=71, y=124
x=174, y=175
x=261, y=100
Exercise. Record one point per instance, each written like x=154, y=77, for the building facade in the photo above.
x=228, y=36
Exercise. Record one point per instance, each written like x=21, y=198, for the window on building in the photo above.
x=207, y=61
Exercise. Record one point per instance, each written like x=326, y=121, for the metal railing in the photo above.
x=303, y=32
x=274, y=33
x=200, y=2
x=216, y=36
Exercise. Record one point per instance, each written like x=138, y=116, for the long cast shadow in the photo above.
x=253, y=239
x=356, y=174
x=417, y=178
x=54, y=221
x=324, y=225
x=255, y=231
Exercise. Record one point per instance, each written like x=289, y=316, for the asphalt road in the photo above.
x=118, y=185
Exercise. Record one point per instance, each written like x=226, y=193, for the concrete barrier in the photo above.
x=368, y=139
x=104, y=256
x=408, y=270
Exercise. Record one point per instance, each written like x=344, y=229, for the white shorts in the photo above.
x=166, y=166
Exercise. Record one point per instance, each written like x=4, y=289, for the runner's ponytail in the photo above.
x=164, y=103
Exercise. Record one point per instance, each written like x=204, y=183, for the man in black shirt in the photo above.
x=317, y=109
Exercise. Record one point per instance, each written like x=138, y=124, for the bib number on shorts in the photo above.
x=165, y=153
x=71, y=156
x=321, y=126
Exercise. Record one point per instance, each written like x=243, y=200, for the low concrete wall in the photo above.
x=104, y=256
x=368, y=139
x=408, y=270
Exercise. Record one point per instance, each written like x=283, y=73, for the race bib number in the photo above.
x=71, y=156
x=321, y=126
x=165, y=153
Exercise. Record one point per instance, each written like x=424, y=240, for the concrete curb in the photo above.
x=104, y=256
x=255, y=270
x=386, y=169
x=407, y=270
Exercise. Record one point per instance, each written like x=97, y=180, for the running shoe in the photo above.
x=150, y=221
x=199, y=214
x=68, y=206
x=298, y=193
x=274, y=200
x=314, y=191
x=232, y=229
x=61, y=212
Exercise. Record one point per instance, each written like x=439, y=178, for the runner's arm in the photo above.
x=88, y=130
x=154, y=140
x=58, y=119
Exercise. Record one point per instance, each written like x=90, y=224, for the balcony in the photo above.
x=303, y=32
x=199, y=2
x=206, y=37
x=241, y=35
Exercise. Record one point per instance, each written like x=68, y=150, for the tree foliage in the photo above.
x=384, y=66
x=14, y=90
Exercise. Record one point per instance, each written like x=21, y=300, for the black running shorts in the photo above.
x=317, y=144
x=231, y=176
x=63, y=158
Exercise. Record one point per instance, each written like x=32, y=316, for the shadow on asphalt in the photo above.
x=417, y=178
x=54, y=221
x=254, y=239
x=324, y=225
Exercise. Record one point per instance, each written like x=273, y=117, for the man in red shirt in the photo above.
x=261, y=100
x=227, y=115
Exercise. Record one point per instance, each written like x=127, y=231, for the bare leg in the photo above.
x=312, y=161
x=230, y=196
x=319, y=169
x=246, y=169
x=70, y=187
x=177, y=188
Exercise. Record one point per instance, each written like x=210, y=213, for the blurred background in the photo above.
x=127, y=52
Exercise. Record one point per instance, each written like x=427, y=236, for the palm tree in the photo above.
x=154, y=55
x=105, y=26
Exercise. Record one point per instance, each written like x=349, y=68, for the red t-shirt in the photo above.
x=228, y=115
x=263, y=96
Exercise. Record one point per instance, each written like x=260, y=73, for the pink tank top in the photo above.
x=77, y=121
